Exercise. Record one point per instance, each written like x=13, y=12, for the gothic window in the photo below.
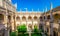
x=56, y=14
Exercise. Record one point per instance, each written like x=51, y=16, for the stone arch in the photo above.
x=35, y=26
x=41, y=18
x=44, y=17
x=35, y=18
x=23, y=18
x=56, y=16
x=48, y=17
x=30, y=26
x=9, y=18
x=1, y=18
x=29, y=18
x=9, y=23
x=2, y=29
x=55, y=33
x=18, y=18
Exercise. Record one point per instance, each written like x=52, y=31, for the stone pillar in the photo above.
x=6, y=25
x=59, y=28
x=12, y=23
x=26, y=23
x=59, y=34
x=15, y=28
x=5, y=20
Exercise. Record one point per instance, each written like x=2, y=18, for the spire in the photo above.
x=10, y=0
x=46, y=9
x=51, y=6
x=45, y=14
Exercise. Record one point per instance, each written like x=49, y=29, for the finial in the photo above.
x=26, y=9
x=46, y=9
x=10, y=0
x=51, y=6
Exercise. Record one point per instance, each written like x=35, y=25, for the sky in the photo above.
x=35, y=4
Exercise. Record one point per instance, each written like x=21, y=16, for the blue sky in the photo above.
x=35, y=4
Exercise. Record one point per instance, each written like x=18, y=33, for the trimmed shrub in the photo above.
x=13, y=34
x=35, y=28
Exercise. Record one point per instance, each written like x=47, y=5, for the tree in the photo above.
x=22, y=28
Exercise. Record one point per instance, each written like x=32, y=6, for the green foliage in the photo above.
x=36, y=34
x=22, y=28
x=35, y=28
x=23, y=34
x=13, y=34
x=41, y=30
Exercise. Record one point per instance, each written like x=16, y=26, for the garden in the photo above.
x=22, y=31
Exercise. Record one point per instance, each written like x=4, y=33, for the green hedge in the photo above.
x=36, y=34
x=13, y=34
x=21, y=34
x=22, y=28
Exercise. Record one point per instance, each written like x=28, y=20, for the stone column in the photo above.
x=51, y=24
x=6, y=25
x=12, y=23
x=27, y=23
x=29, y=32
x=15, y=28
x=59, y=28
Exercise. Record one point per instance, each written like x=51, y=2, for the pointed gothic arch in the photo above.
x=35, y=18
x=48, y=17
x=1, y=17
x=23, y=18
x=29, y=18
x=18, y=18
